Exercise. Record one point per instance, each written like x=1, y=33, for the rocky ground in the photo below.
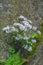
x=7, y=15
x=38, y=57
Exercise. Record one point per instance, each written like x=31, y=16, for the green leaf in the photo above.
x=11, y=50
x=14, y=59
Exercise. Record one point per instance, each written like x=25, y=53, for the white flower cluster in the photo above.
x=22, y=17
x=33, y=41
x=10, y=29
x=28, y=48
x=28, y=24
x=25, y=24
x=21, y=26
x=19, y=37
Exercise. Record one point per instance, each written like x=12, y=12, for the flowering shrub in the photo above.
x=19, y=31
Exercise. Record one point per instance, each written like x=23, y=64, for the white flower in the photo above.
x=13, y=29
x=33, y=41
x=17, y=24
x=25, y=19
x=39, y=32
x=26, y=23
x=6, y=28
x=30, y=49
x=22, y=27
x=34, y=28
x=8, y=31
x=30, y=21
x=16, y=38
x=25, y=38
x=30, y=26
x=22, y=17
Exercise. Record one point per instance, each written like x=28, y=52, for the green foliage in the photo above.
x=42, y=30
x=14, y=59
x=34, y=35
x=11, y=50
x=42, y=27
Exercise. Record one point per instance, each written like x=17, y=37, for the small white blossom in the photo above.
x=8, y=31
x=13, y=29
x=6, y=28
x=26, y=23
x=25, y=38
x=33, y=41
x=17, y=24
x=22, y=27
x=16, y=38
x=25, y=19
x=39, y=32
x=30, y=26
x=34, y=28
x=30, y=49
x=30, y=21
x=22, y=17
